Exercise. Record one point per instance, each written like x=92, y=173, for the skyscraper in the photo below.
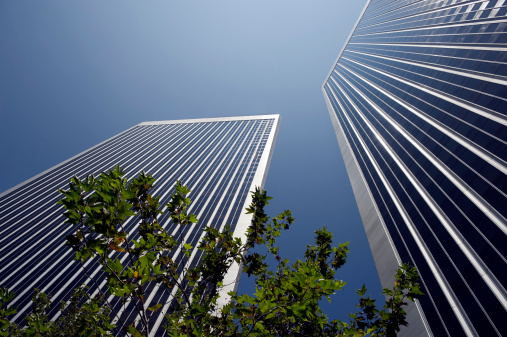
x=417, y=98
x=220, y=159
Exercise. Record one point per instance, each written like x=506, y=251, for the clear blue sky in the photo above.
x=74, y=73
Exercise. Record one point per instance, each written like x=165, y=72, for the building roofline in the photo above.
x=181, y=121
x=214, y=119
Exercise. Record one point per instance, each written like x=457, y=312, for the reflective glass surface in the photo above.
x=420, y=93
x=217, y=160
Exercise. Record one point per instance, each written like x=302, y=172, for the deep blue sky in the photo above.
x=74, y=73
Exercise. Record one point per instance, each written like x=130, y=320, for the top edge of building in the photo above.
x=213, y=119
x=345, y=44
x=277, y=118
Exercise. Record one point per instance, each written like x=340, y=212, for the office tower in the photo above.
x=220, y=159
x=417, y=98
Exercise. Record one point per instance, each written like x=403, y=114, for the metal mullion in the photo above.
x=57, y=175
x=482, y=269
x=194, y=252
x=56, y=197
x=52, y=171
x=479, y=151
x=441, y=279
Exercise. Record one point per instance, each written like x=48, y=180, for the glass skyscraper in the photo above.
x=418, y=100
x=220, y=159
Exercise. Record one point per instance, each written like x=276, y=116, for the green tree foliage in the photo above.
x=5, y=297
x=80, y=316
x=287, y=296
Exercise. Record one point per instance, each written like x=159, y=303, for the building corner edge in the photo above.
x=384, y=253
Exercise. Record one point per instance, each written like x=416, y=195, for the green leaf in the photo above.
x=115, y=265
x=155, y=307
x=362, y=291
x=134, y=332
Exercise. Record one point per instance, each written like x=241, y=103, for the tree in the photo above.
x=286, y=301
x=81, y=316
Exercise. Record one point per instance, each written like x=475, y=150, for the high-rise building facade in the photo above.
x=418, y=100
x=220, y=159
